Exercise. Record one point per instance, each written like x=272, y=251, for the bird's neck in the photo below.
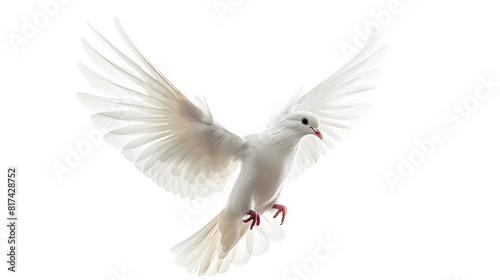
x=281, y=137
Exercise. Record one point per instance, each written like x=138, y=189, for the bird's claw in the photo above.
x=254, y=217
x=282, y=210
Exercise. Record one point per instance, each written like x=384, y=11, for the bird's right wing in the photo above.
x=170, y=139
x=331, y=101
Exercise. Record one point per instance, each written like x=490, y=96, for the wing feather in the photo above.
x=327, y=101
x=173, y=141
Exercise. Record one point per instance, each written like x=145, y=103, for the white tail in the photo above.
x=203, y=252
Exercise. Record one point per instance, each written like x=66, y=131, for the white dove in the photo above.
x=180, y=146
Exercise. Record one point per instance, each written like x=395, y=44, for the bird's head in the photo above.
x=303, y=123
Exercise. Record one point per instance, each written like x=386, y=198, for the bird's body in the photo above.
x=180, y=146
x=266, y=159
x=267, y=154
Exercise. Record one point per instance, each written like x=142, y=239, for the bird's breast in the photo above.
x=269, y=168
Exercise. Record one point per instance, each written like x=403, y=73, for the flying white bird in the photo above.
x=181, y=147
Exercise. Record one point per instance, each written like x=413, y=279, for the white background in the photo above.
x=105, y=220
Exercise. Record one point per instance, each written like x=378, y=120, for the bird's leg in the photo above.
x=282, y=210
x=254, y=217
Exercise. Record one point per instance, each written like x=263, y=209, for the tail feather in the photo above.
x=203, y=252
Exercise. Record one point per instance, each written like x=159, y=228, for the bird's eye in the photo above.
x=305, y=121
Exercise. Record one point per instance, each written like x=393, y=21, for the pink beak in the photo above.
x=318, y=133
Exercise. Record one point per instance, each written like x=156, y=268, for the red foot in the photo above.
x=254, y=216
x=282, y=210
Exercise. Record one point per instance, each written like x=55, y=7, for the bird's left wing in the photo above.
x=329, y=100
x=173, y=141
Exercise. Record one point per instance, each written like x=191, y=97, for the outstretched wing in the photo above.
x=171, y=140
x=329, y=100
